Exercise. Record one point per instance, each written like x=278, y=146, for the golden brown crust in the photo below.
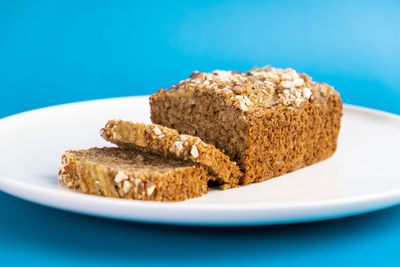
x=294, y=123
x=168, y=142
x=118, y=173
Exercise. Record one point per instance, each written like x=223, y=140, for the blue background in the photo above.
x=54, y=52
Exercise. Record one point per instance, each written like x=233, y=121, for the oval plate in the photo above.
x=362, y=176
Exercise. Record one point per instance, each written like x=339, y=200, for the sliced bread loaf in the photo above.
x=271, y=121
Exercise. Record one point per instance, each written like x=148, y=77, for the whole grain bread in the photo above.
x=168, y=142
x=119, y=173
x=271, y=121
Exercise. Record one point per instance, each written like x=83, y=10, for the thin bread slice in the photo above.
x=169, y=142
x=119, y=173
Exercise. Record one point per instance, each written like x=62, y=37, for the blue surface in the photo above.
x=53, y=52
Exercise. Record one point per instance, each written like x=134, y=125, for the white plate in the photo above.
x=362, y=176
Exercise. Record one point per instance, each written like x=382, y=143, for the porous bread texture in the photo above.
x=168, y=142
x=271, y=121
x=119, y=173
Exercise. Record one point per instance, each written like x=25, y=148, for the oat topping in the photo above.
x=307, y=93
x=121, y=176
x=126, y=186
x=269, y=83
x=157, y=130
x=298, y=82
x=237, y=89
x=64, y=163
x=62, y=168
x=286, y=77
x=179, y=145
x=194, y=152
x=63, y=177
x=223, y=76
x=287, y=84
x=294, y=95
x=263, y=87
x=244, y=101
x=199, y=141
x=150, y=189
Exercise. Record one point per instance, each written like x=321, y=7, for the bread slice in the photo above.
x=271, y=121
x=119, y=173
x=168, y=142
